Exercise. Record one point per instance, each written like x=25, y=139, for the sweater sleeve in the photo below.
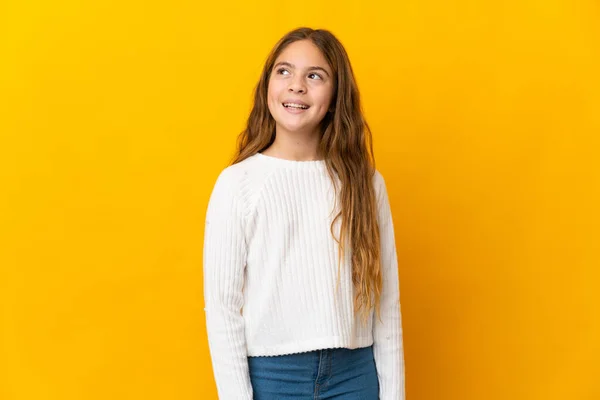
x=224, y=261
x=388, y=346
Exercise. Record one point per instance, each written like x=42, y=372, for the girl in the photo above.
x=300, y=269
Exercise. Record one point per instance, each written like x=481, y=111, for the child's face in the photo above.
x=300, y=75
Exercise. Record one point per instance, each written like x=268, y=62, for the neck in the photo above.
x=296, y=147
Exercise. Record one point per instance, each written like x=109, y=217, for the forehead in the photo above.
x=303, y=53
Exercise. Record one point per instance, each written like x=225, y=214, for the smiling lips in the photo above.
x=295, y=106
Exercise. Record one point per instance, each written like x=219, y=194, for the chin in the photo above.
x=295, y=128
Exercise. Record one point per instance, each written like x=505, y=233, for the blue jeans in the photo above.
x=340, y=374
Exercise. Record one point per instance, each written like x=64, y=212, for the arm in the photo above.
x=388, y=346
x=224, y=261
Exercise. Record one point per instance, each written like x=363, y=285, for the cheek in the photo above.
x=325, y=93
x=274, y=90
x=325, y=98
x=272, y=96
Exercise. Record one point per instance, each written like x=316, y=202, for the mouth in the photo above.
x=295, y=107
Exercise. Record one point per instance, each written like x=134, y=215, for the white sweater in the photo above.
x=270, y=269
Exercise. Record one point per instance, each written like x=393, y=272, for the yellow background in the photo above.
x=117, y=116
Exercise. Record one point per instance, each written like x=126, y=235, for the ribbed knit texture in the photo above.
x=270, y=269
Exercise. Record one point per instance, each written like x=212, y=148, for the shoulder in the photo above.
x=378, y=182
x=228, y=196
x=237, y=182
x=233, y=175
x=378, y=178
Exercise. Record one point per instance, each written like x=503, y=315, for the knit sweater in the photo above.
x=270, y=269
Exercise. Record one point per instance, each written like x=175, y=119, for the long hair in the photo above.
x=346, y=144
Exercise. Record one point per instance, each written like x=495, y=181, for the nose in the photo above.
x=297, y=85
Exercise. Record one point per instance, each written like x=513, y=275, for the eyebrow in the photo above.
x=287, y=64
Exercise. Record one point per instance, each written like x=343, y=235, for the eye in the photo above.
x=316, y=75
x=281, y=71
